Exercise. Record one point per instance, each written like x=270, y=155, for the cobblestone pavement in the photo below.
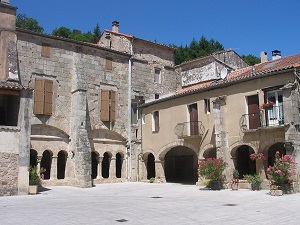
x=145, y=203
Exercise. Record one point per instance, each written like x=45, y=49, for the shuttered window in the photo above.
x=155, y=124
x=108, y=106
x=46, y=50
x=43, y=93
x=108, y=65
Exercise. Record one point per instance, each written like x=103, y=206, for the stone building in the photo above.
x=72, y=105
x=221, y=116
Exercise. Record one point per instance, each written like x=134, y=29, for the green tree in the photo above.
x=28, y=23
x=62, y=32
x=96, y=33
x=73, y=34
x=251, y=59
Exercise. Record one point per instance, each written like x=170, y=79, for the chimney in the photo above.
x=115, y=26
x=276, y=54
x=263, y=57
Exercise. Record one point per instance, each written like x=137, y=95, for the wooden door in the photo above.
x=193, y=119
x=253, y=112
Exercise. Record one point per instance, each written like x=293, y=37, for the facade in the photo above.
x=224, y=118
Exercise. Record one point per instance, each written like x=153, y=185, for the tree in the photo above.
x=73, y=34
x=96, y=34
x=251, y=59
x=62, y=32
x=28, y=23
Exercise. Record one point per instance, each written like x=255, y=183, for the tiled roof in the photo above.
x=12, y=85
x=195, y=87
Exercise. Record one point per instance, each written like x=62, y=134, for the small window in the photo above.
x=134, y=113
x=155, y=121
x=108, y=106
x=108, y=65
x=46, y=50
x=43, y=92
x=157, y=76
x=207, y=106
x=9, y=107
x=156, y=96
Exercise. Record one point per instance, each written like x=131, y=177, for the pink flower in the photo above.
x=277, y=152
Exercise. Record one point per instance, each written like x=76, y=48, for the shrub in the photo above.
x=212, y=168
x=253, y=179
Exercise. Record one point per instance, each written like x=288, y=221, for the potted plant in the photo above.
x=267, y=105
x=255, y=181
x=235, y=180
x=35, y=179
x=212, y=169
x=275, y=190
x=281, y=173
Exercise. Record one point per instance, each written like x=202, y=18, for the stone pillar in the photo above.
x=219, y=106
x=159, y=171
x=53, y=175
x=99, y=171
x=260, y=168
x=123, y=171
x=112, y=168
x=24, y=141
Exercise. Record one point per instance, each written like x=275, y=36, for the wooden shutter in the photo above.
x=253, y=111
x=46, y=51
x=104, y=115
x=108, y=64
x=48, y=87
x=112, y=106
x=193, y=119
x=38, y=97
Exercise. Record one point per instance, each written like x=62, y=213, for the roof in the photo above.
x=12, y=85
x=136, y=38
x=250, y=72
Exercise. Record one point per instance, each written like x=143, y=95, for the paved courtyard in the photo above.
x=145, y=203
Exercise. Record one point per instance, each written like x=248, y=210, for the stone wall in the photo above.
x=9, y=166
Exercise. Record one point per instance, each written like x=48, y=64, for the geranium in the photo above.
x=255, y=156
x=283, y=169
x=267, y=105
x=212, y=168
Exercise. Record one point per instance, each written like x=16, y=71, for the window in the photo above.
x=46, y=50
x=193, y=111
x=155, y=121
x=108, y=106
x=108, y=65
x=156, y=96
x=134, y=113
x=9, y=107
x=43, y=92
x=275, y=115
x=157, y=76
x=207, y=105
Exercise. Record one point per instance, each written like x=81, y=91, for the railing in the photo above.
x=262, y=119
x=191, y=129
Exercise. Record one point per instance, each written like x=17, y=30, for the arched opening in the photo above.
x=61, y=164
x=46, y=163
x=210, y=153
x=94, y=165
x=33, y=157
x=105, y=165
x=119, y=162
x=243, y=162
x=272, y=151
x=150, y=166
x=181, y=165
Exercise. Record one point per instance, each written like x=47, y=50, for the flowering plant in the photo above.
x=235, y=177
x=212, y=168
x=253, y=179
x=283, y=169
x=35, y=177
x=255, y=156
x=267, y=105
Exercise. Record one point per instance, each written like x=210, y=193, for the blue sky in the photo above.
x=248, y=27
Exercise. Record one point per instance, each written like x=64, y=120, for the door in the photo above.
x=193, y=119
x=253, y=112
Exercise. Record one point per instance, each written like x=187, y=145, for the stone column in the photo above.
x=112, y=168
x=123, y=171
x=99, y=172
x=159, y=171
x=260, y=168
x=53, y=175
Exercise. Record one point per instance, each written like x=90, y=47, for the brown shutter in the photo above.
x=38, y=97
x=112, y=106
x=108, y=64
x=46, y=51
x=104, y=116
x=48, y=97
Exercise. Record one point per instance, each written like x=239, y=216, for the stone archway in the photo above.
x=181, y=165
x=242, y=161
x=94, y=165
x=106, y=165
x=33, y=157
x=272, y=151
x=210, y=153
x=46, y=162
x=150, y=166
x=119, y=162
x=61, y=164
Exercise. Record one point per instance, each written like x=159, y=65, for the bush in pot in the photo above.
x=255, y=181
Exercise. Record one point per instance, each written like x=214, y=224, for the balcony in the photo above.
x=193, y=129
x=264, y=118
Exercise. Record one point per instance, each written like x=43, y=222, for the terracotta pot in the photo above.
x=32, y=189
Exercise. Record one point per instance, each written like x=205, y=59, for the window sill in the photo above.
x=15, y=128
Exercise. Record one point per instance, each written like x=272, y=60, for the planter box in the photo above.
x=32, y=189
x=276, y=192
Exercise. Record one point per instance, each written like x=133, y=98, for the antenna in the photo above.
x=223, y=73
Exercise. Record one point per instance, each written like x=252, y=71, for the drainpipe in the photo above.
x=129, y=152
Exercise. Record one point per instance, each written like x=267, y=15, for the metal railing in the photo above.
x=189, y=129
x=263, y=118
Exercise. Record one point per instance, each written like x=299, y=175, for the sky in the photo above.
x=248, y=27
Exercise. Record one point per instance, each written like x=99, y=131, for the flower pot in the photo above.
x=216, y=185
x=32, y=189
x=255, y=187
x=276, y=193
x=234, y=186
x=286, y=188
